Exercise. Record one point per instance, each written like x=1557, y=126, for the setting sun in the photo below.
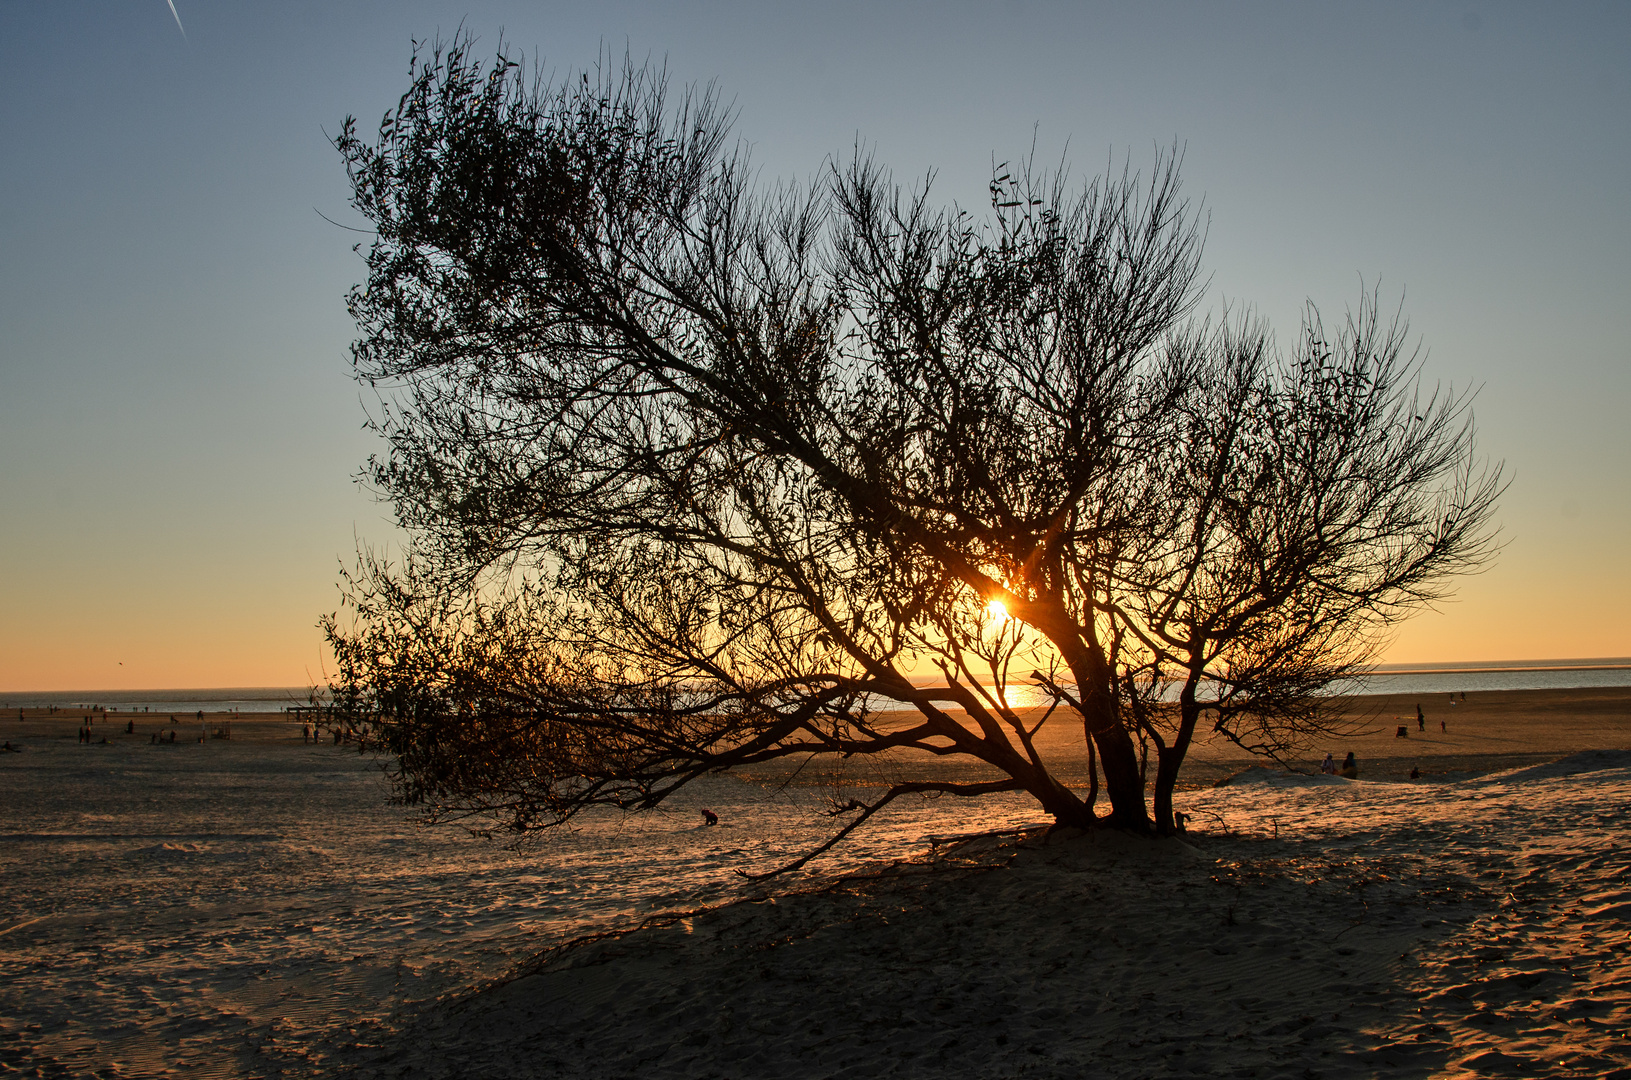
x=997, y=610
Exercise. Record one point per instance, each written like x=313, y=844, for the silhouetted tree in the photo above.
x=701, y=475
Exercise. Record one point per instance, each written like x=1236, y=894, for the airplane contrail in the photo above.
x=172, y=4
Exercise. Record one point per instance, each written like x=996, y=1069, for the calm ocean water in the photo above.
x=1511, y=675
x=1390, y=679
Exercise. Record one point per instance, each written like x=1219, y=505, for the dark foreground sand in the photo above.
x=1477, y=928
x=1312, y=927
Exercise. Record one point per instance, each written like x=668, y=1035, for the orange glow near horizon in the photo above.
x=186, y=621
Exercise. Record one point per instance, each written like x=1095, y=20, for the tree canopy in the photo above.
x=703, y=473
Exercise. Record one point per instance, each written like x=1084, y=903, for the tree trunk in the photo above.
x=1092, y=771
x=1122, y=781
x=1170, y=759
x=1166, y=779
x=1101, y=719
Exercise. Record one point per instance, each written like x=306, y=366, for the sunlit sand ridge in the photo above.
x=237, y=908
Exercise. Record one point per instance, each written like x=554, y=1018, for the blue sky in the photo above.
x=178, y=432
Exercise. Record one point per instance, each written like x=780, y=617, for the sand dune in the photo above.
x=1465, y=929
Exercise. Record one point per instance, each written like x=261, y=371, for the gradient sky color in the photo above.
x=178, y=432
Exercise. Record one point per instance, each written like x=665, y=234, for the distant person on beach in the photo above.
x=1350, y=767
x=130, y=727
x=10, y=749
x=1421, y=719
x=1328, y=767
x=710, y=818
x=1415, y=773
x=1442, y=726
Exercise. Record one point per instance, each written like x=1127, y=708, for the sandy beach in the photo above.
x=1412, y=939
x=250, y=907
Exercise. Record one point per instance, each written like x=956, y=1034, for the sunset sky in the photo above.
x=179, y=434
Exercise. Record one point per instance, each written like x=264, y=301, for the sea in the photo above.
x=1472, y=677
x=1429, y=678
